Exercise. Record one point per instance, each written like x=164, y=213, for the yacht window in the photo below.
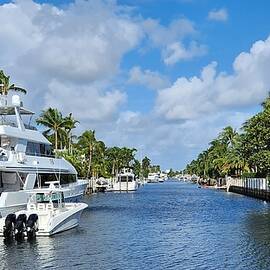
x=37, y=149
x=48, y=150
x=42, y=149
x=125, y=178
x=46, y=177
x=49, y=177
x=1, y=181
x=10, y=181
x=67, y=179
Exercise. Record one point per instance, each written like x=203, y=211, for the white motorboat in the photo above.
x=46, y=214
x=27, y=160
x=125, y=181
x=152, y=178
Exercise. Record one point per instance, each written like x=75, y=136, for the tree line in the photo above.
x=90, y=156
x=238, y=153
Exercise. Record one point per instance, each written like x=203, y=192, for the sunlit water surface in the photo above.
x=170, y=225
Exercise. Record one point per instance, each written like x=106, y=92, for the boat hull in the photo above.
x=125, y=186
x=64, y=222
x=50, y=224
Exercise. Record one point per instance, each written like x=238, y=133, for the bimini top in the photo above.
x=10, y=110
x=27, y=134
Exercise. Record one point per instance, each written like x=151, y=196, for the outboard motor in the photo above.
x=20, y=226
x=9, y=227
x=32, y=226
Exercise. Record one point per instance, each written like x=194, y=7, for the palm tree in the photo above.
x=5, y=86
x=55, y=122
x=113, y=157
x=71, y=124
x=228, y=136
x=87, y=142
x=145, y=166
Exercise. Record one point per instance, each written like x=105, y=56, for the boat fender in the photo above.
x=9, y=226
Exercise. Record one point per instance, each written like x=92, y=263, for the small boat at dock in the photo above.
x=153, y=178
x=125, y=181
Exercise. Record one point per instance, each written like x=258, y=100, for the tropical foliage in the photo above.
x=90, y=157
x=6, y=86
x=238, y=153
x=58, y=127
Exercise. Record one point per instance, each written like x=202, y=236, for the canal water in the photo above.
x=170, y=225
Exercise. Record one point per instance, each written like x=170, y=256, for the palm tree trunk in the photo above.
x=90, y=161
x=69, y=143
x=55, y=140
x=113, y=168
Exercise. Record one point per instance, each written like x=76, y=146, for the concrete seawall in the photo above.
x=252, y=192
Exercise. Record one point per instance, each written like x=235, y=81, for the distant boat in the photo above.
x=153, y=178
x=125, y=181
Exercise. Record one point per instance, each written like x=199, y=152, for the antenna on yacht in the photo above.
x=16, y=102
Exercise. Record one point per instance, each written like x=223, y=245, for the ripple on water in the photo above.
x=162, y=226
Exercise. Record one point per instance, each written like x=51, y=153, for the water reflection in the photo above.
x=256, y=240
x=162, y=226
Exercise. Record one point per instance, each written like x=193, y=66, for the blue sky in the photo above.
x=162, y=76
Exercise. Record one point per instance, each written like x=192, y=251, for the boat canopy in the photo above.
x=27, y=134
x=10, y=110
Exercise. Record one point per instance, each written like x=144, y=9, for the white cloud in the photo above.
x=171, y=40
x=161, y=35
x=189, y=98
x=49, y=50
x=176, y=52
x=84, y=42
x=148, y=78
x=218, y=15
x=89, y=103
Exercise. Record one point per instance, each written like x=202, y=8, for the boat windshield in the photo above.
x=49, y=197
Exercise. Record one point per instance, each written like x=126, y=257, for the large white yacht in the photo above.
x=27, y=160
x=125, y=181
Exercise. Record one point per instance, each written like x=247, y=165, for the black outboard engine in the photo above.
x=32, y=226
x=20, y=226
x=10, y=222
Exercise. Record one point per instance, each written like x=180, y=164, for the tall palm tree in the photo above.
x=145, y=166
x=55, y=122
x=71, y=124
x=87, y=143
x=5, y=85
x=113, y=156
x=228, y=136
